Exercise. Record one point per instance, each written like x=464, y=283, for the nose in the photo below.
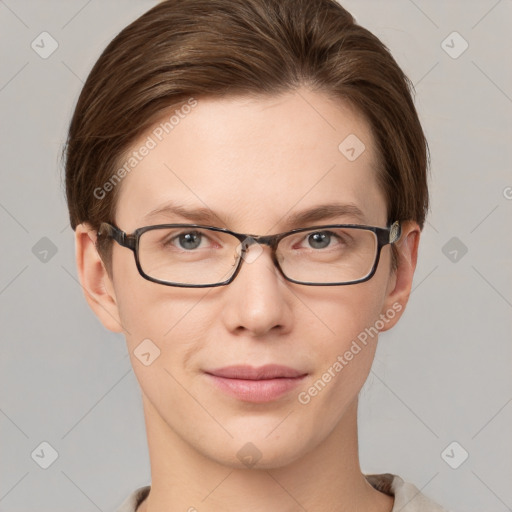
x=258, y=300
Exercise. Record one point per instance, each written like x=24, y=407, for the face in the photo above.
x=252, y=163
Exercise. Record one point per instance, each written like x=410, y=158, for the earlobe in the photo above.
x=95, y=281
x=400, y=282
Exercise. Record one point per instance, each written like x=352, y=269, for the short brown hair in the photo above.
x=215, y=48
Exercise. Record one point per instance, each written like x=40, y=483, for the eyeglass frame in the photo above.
x=385, y=236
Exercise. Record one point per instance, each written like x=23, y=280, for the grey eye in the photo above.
x=319, y=240
x=190, y=240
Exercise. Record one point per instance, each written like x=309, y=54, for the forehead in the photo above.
x=252, y=162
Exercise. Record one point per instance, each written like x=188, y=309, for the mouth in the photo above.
x=258, y=385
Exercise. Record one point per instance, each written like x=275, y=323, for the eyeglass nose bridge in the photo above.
x=271, y=240
x=245, y=243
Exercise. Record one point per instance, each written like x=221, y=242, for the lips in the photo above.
x=258, y=385
x=270, y=371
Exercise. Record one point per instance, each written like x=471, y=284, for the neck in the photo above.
x=326, y=478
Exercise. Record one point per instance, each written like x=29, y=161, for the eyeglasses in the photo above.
x=196, y=256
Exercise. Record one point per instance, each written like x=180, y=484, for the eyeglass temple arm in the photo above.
x=111, y=231
x=395, y=232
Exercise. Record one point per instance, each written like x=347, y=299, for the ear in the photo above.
x=96, y=283
x=400, y=281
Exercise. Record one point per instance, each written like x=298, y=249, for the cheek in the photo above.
x=344, y=354
x=343, y=359
x=341, y=314
x=350, y=348
x=164, y=336
x=147, y=309
x=168, y=323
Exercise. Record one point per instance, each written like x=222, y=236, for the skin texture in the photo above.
x=252, y=162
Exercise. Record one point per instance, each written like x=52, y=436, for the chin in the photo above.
x=255, y=452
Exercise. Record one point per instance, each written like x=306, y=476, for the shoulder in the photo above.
x=131, y=503
x=408, y=498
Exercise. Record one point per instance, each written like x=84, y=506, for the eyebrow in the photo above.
x=317, y=213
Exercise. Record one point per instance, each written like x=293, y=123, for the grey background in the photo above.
x=441, y=375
